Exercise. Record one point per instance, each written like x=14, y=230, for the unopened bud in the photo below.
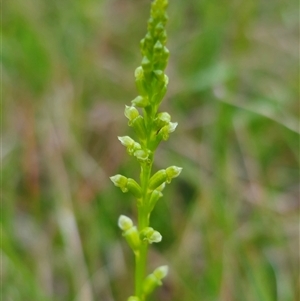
x=127, y=184
x=125, y=223
x=139, y=73
x=153, y=280
x=132, y=238
x=161, y=272
x=126, y=141
x=120, y=181
x=158, y=47
x=172, y=172
x=134, y=188
x=130, y=144
x=146, y=64
x=140, y=101
x=164, y=116
x=157, y=179
x=139, y=127
x=159, y=28
x=159, y=74
x=155, y=195
x=131, y=112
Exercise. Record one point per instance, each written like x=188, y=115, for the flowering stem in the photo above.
x=151, y=127
x=140, y=270
x=143, y=222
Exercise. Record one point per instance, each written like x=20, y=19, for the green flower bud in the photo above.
x=164, y=133
x=131, y=113
x=130, y=144
x=142, y=47
x=146, y=64
x=157, y=179
x=159, y=74
x=158, y=47
x=166, y=53
x=132, y=237
x=158, y=96
x=162, y=119
x=142, y=155
x=150, y=283
x=172, y=172
x=125, y=223
x=140, y=101
x=127, y=184
x=126, y=141
x=120, y=181
x=154, y=279
x=159, y=28
x=161, y=272
x=149, y=38
x=139, y=73
x=141, y=87
x=130, y=232
x=161, y=64
x=134, y=188
x=155, y=195
x=149, y=235
x=157, y=52
x=140, y=81
x=151, y=24
x=146, y=45
x=163, y=37
x=138, y=125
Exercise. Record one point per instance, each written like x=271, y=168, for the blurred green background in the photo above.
x=230, y=222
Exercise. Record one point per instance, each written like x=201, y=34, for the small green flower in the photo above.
x=165, y=131
x=125, y=223
x=120, y=181
x=153, y=280
x=127, y=184
x=140, y=128
x=173, y=172
x=149, y=235
x=155, y=195
x=164, y=176
x=142, y=155
x=158, y=179
x=131, y=113
x=130, y=232
x=140, y=101
x=130, y=144
x=161, y=272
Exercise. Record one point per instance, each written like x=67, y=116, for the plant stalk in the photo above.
x=143, y=222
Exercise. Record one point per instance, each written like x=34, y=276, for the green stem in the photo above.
x=143, y=222
x=140, y=269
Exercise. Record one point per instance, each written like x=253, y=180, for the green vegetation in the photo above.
x=230, y=221
x=151, y=128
